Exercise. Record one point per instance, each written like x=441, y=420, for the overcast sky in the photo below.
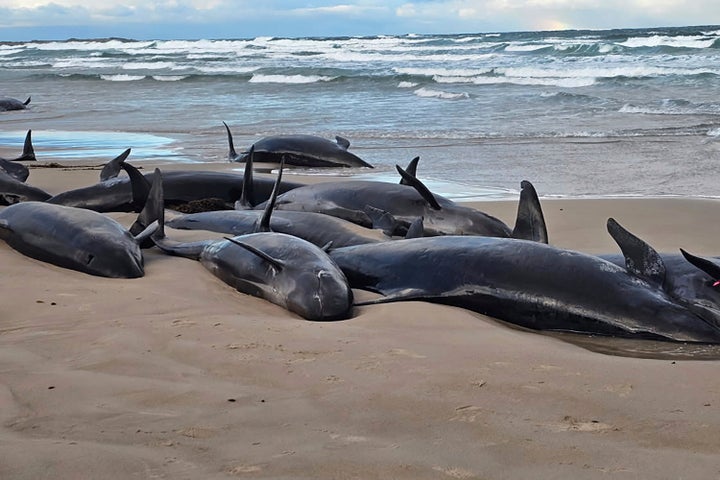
x=192, y=19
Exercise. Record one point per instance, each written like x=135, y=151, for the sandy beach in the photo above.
x=177, y=375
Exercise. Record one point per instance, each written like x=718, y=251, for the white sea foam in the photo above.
x=407, y=85
x=661, y=40
x=290, y=79
x=427, y=92
x=122, y=78
x=169, y=78
x=149, y=65
x=442, y=71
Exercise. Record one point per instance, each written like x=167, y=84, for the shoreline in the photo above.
x=177, y=375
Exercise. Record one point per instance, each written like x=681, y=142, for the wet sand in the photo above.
x=177, y=375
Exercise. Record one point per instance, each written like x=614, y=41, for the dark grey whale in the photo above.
x=688, y=278
x=299, y=150
x=181, y=187
x=14, y=191
x=9, y=103
x=72, y=238
x=406, y=203
x=316, y=228
x=530, y=284
x=280, y=268
x=11, y=165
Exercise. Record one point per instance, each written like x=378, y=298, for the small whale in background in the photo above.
x=9, y=103
x=299, y=150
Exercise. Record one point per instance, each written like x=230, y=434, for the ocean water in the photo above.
x=578, y=113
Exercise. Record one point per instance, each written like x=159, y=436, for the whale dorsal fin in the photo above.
x=112, y=168
x=247, y=198
x=410, y=169
x=416, y=229
x=27, y=102
x=342, y=142
x=420, y=187
x=530, y=221
x=640, y=258
x=232, y=155
x=707, y=266
x=28, y=153
x=278, y=264
x=264, y=225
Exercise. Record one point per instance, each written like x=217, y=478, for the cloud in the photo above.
x=238, y=18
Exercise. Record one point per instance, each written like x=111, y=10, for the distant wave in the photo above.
x=169, y=78
x=675, y=41
x=427, y=92
x=673, y=107
x=122, y=78
x=290, y=79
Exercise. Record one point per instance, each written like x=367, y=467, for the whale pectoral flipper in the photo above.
x=276, y=263
x=707, y=266
x=382, y=220
x=420, y=187
x=342, y=142
x=640, y=258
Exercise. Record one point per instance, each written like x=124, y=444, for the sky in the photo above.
x=22, y=20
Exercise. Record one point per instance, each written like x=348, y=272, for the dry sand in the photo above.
x=176, y=375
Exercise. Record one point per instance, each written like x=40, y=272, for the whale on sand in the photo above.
x=11, y=165
x=115, y=193
x=73, y=238
x=280, y=268
x=299, y=150
x=407, y=202
x=529, y=284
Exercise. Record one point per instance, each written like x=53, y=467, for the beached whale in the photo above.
x=14, y=191
x=9, y=103
x=406, y=203
x=685, y=277
x=72, y=238
x=299, y=150
x=529, y=284
x=218, y=189
x=316, y=228
x=11, y=165
x=280, y=268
